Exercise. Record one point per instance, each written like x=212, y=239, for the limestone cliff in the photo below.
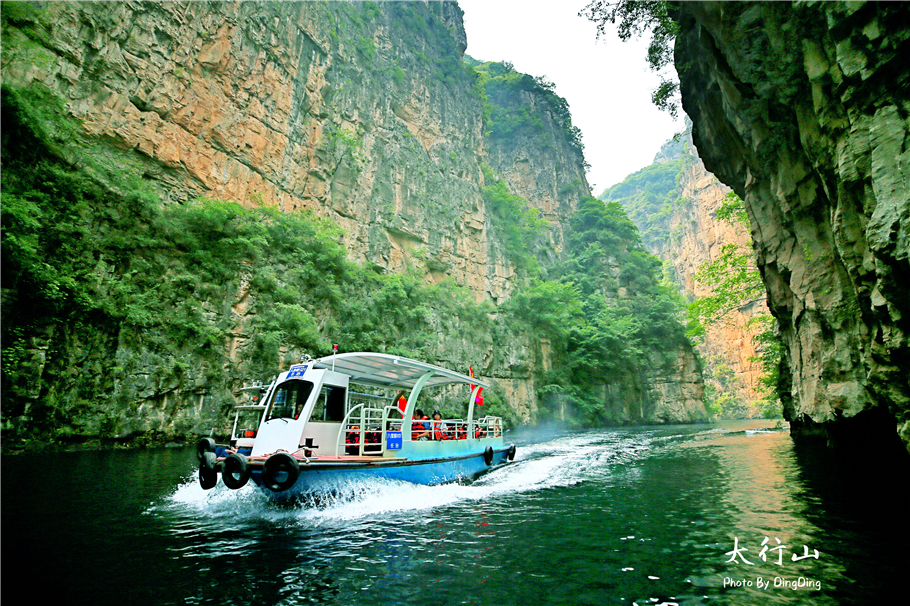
x=674, y=202
x=360, y=112
x=802, y=109
x=293, y=105
x=698, y=237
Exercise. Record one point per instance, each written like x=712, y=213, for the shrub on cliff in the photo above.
x=135, y=302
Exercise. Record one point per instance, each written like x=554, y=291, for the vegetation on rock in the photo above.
x=92, y=272
x=126, y=315
x=652, y=194
x=734, y=282
x=508, y=111
x=605, y=313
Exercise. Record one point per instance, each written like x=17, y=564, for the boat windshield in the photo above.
x=289, y=399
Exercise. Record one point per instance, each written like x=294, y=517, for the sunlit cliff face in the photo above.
x=364, y=114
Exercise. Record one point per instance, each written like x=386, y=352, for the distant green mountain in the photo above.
x=650, y=195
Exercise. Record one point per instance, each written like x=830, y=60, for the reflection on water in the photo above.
x=640, y=515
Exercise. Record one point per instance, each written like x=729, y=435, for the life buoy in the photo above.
x=511, y=452
x=208, y=477
x=203, y=446
x=235, y=471
x=488, y=455
x=280, y=472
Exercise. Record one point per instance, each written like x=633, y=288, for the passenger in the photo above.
x=440, y=429
x=352, y=441
x=419, y=429
x=479, y=432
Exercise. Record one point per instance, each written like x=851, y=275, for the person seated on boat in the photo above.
x=420, y=429
x=352, y=441
x=461, y=432
x=440, y=429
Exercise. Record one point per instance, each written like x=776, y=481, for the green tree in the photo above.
x=605, y=311
x=735, y=282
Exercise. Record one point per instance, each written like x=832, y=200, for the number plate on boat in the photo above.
x=297, y=370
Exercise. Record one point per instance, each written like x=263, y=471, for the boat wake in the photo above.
x=559, y=462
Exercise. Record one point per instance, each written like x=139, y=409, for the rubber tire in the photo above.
x=488, y=455
x=235, y=471
x=208, y=477
x=511, y=452
x=203, y=446
x=276, y=464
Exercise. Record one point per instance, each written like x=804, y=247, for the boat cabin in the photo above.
x=312, y=411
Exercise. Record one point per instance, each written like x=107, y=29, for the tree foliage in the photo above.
x=604, y=311
x=734, y=283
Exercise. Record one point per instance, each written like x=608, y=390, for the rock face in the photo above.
x=674, y=203
x=697, y=237
x=360, y=112
x=294, y=105
x=803, y=110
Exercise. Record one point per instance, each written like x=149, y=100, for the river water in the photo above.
x=649, y=515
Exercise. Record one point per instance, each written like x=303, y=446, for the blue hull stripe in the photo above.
x=314, y=478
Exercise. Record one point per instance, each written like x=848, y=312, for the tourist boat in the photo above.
x=314, y=431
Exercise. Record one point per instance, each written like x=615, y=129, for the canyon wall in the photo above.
x=293, y=105
x=697, y=237
x=362, y=113
x=802, y=109
x=675, y=202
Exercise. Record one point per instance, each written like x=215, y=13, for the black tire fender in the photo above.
x=203, y=446
x=208, y=477
x=280, y=472
x=511, y=452
x=488, y=455
x=235, y=471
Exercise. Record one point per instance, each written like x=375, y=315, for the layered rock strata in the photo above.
x=698, y=237
x=802, y=108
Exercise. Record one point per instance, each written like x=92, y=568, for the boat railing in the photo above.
x=364, y=430
x=460, y=429
x=488, y=427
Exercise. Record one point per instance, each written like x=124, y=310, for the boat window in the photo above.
x=330, y=405
x=289, y=399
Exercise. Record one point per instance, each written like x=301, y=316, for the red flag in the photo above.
x=479, y=398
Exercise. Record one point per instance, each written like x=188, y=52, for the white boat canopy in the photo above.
x=386, y=370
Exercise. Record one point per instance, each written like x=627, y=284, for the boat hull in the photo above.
x=326, y=475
